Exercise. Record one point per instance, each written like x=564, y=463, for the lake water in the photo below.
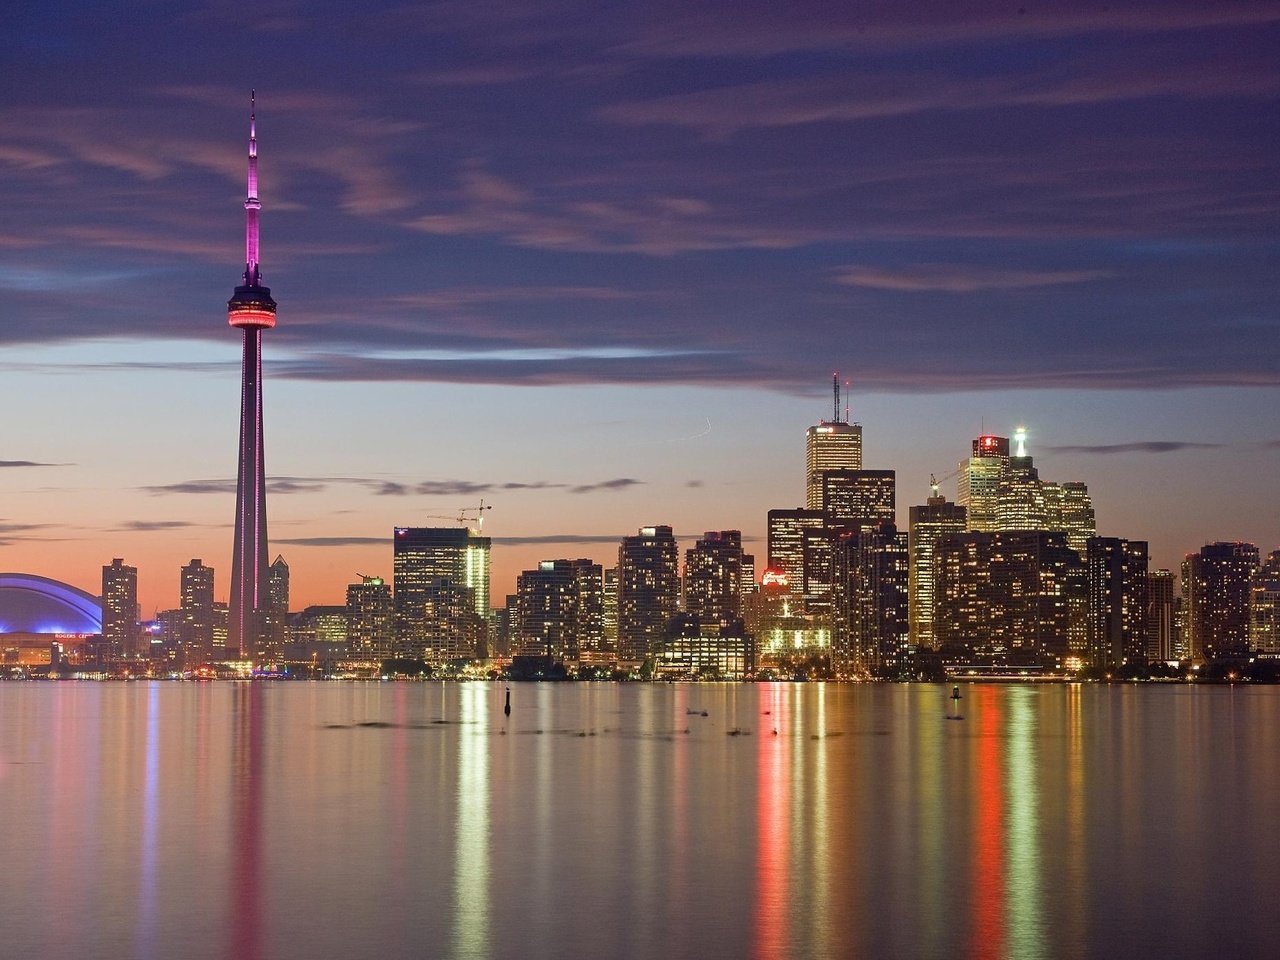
x=265, y=822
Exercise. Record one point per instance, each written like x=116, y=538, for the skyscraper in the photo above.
x=251, y=310
x=648, y=591
x=935, y=519
x=713, y=578
x=370, y=620
x=854, y=498
x=834, y=444
x=786, y=541
x=195, y=586
x=275, y=614
x=978, y=483
x=1215, y=584
x=1162, y=616
x=119, y=610
x=1264, y=607
x=422, y=556
x=560, y=610
x=1117, y=624
x=870, y=588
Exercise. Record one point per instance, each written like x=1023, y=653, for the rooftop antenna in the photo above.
x=835, y=389
x=846, y=401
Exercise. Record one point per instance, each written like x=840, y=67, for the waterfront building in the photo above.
x=694, y=649
x=609, y=609
x=1264, y=607
x=275, y=612
x=1215, y=584
x=560, y=611
x=978, y=482
x=451, y=628
x=195, y=602
x=250, y=310
x=648, y=591
x=370, y=621
x=1013, y=596
x=776, y=618
x=1118, y=602
x=935, y=519
x=871, y=583
x=324, y=624
x=1162, y=617
x=423, y=556
x=120, y=634
x=713, y=577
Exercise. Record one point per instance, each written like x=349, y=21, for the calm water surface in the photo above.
x=294, y=820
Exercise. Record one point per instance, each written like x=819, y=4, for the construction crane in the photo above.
x=935, y=482
x=464, y=515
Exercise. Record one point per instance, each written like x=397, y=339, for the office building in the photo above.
x=275, y=611
x=787, y=531
x=648, y=591
x=978, y=482
x=928, y=523
x=834, y=444
x=859, y=498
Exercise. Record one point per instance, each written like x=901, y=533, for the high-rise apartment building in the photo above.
x=978, y=482
x=370, y=620
x=1215, y=584
x=275, y=611
x=609, y=609
x=859, y=498
x=560, y=610
x=195, y=601
x=1021, y=594
x=451, y=627
x=935, y=519
x=870, y=598
x=648, y=591
x=422, y=556
x=1162, y=617
x=1264, y=607
x=1118, y=602
x=713, y=577
x=120, y=634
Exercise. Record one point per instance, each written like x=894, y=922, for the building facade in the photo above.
x=648, y=591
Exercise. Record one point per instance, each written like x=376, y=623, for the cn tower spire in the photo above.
x=251, y=203
x=251, y=310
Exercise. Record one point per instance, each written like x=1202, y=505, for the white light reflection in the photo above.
x=471, y=849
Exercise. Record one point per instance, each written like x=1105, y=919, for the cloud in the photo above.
x=958, y=278
x=621, y=483
x=582, y=538
x=1144, y=446
x=156, y=525
x=331, y=541
x=30, y=463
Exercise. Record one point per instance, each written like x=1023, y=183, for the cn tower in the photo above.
x=252, y=310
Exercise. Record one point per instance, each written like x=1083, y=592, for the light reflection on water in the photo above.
x=415, y=820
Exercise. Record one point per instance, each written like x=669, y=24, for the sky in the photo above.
x=596, y=262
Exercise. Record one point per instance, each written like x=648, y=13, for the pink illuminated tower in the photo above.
x=252, y=310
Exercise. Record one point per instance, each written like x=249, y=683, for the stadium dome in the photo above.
x=31, y=604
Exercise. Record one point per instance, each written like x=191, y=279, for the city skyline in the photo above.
x=577, y=321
